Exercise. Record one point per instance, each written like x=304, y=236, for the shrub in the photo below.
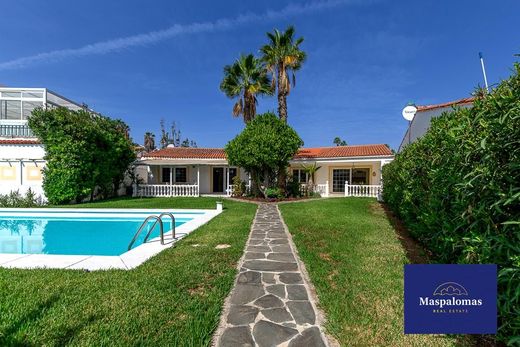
x=293, y=187
x=274, y=193
x=85, y=153
x=15, y=199
x=457, y=190
x=239, y=187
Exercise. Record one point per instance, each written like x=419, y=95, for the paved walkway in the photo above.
x=269, y=305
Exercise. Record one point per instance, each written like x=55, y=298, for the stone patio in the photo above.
x=270, y=303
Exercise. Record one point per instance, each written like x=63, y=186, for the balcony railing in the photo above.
x=15, y=130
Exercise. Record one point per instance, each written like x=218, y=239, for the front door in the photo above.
x=218, y=180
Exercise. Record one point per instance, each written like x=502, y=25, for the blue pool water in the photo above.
x=83, y=234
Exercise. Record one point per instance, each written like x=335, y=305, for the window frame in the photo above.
x=167, y=178
x=299, y=175
x=185, y=174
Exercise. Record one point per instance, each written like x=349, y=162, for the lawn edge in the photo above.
x=321, y=318
x=227, y=302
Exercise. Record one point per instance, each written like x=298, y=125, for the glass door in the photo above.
x=339, y=176
x=218, y=179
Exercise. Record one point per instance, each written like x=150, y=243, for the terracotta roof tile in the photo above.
x=446, y=104
x=303, y=153
x=20, y=142
x=343, y=151
x=187, y=153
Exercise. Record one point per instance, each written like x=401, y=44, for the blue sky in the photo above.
x=366, y=59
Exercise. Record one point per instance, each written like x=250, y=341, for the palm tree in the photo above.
x=282, y=57
x=245, y=79
x=339, y=142
x=311, y=172
x=149, y=141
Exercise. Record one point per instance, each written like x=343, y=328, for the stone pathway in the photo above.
x=270, y=303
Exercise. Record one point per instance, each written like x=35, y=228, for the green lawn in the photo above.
x=128, y=202
x=355, y=261
x=174, y=299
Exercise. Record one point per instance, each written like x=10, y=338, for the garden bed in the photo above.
x=272, y=200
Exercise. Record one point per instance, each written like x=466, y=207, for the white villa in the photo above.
x=344, y=170
x=179, y=171
x=21, y=153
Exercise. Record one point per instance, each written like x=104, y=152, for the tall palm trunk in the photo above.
x=249, y=107
x=282, y=113
x=282, y=93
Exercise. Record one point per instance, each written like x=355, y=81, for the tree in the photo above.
x=263, y=148
x=86, y=154
x=339, y=142
x=173, y=137
x=149, y=141
x=282, y=57
x=245, y=79
x=311, y=171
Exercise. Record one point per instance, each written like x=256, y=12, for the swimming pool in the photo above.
x=46, y=235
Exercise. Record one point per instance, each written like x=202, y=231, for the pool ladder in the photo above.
x=161, y=228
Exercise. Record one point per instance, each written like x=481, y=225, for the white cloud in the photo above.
x=152, y=37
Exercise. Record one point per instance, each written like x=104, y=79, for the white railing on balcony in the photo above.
x=15, y=130
x=151, y=190
x=362, y=190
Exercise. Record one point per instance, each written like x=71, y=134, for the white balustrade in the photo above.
x=322, y=189
x=152, y=190
x=362, y=190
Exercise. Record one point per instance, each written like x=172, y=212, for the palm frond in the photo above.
x=238, y=109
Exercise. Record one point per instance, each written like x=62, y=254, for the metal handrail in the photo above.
x=157, y=219
x=173, y=225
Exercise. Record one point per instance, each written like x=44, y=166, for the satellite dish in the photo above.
x=409, y=112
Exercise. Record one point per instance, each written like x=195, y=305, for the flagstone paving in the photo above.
x=270, y=303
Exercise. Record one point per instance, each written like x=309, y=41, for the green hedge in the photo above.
x=457, y=189
x=86, y=154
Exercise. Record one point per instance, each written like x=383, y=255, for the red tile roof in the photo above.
x=446, y=104
x=303, y=153
x=343, y=151
x=187, y=153
x=19, y=142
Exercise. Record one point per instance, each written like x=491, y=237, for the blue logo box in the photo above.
x=450, y=299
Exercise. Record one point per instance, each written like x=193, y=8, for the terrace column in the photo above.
x=170, y=188
x=227, y=180
x=224, y=179
x=198, y=180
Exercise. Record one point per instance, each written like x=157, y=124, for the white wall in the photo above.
x=20, y=167
x=324, y=174
x=421, y=123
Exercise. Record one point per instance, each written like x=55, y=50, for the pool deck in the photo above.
x=125, y=261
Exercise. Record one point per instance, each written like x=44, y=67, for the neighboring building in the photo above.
x=421, y=122
x=202, y=171
x=21, y=153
